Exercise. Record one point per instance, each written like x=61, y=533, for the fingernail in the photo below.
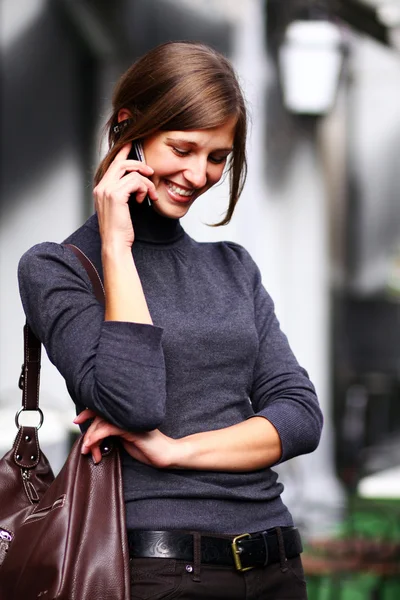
x=84, y=449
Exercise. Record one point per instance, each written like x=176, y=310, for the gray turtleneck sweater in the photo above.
x=214, y=357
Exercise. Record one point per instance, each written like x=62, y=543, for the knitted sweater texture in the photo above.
x=214, y=357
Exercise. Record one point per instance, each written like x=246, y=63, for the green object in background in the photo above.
x=391, y=590
x=321, y=588
x=369, y=520
x=373, y=519
x=361, y=587
x=353, y=587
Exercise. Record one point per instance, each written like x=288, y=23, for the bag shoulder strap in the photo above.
x=30, y=372
x=92, y=272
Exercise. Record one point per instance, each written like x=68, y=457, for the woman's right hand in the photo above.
x=123, y=178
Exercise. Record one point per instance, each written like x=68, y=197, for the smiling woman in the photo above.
x=187, y=364
x=187, y=164
x=184, y=87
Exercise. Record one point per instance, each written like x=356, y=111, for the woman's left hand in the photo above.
x=247, y=446
x=150, y=447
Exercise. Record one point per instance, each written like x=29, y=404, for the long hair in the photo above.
x=180, y=86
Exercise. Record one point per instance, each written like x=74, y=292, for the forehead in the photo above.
x=214, y=137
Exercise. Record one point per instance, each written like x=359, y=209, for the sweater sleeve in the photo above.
x=281, y=391
x=115, y=368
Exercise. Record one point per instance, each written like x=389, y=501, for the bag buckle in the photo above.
x=237, y=552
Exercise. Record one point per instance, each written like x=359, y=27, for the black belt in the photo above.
x=242, y=552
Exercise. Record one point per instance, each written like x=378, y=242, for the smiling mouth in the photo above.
x=178, y=193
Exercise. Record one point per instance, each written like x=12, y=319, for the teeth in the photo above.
x=180, y=191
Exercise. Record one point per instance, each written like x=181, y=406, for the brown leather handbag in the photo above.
x=65, y=537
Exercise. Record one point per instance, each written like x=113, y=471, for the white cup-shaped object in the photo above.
x=310, y=61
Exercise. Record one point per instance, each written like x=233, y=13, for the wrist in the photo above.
x=182, y=454
x=115, y=251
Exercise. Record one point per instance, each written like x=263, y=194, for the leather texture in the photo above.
x=259, y=549
x=61, y=538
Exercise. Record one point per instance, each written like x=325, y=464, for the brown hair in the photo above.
x=180, y=86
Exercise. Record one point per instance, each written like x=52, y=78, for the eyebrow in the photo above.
x=192, y=143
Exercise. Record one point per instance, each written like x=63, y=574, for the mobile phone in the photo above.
x=137, y=153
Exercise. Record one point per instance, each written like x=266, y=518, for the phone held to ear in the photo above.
x=137, y=153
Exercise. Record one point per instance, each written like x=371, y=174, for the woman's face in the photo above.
x=186, y=164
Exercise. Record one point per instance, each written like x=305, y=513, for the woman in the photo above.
x=188, y=364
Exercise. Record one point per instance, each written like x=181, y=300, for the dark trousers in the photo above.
x=167, y=579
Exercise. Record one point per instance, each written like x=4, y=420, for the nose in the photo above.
x=196, y=172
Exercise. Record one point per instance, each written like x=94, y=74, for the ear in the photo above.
x=124, y=114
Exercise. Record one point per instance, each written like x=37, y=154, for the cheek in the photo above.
x=165, y=167
x=215, y=174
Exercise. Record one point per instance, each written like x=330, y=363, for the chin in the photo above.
x=170, y=211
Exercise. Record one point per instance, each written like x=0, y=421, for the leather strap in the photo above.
x=257, y=549
x=30, y=372
x=91, y=270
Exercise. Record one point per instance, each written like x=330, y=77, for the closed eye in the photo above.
x=180, y=152
x=217, y=160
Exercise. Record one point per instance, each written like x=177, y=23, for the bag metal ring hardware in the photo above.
x=25, y=410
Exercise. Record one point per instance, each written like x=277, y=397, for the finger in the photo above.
x=153, y=194
x=129, y=184
x=94, y=449
x=124, y=163
x=116, y=173
x=96, y=454
x=98, y=433
x=95, y=426
x=84, y=416
x=136, y=187
x=135, y=452
x=127, y=166
x=121, y=164
x=142, y=195
x=123, y=153
x=134, y=183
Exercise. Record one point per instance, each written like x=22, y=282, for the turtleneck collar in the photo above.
x=151, y=227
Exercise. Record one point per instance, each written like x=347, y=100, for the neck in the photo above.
x=151, y=227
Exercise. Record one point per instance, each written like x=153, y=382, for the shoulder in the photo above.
x=231, y=251
x=48, y=267
x=43, y=254
x=48, y=260
x=236, y=253
x=233, y=257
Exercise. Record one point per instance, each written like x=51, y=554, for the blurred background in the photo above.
x=320, y=214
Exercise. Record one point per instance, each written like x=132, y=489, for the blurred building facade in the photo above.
x=320, y=212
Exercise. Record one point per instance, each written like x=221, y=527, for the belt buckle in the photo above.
x=236, y=552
